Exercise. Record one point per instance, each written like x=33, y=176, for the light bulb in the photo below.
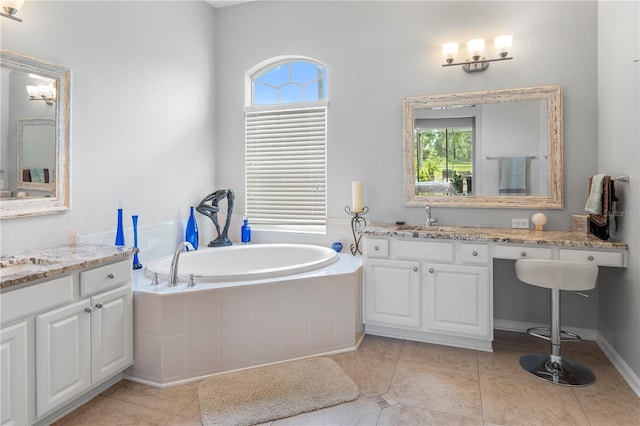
x=449, y=51
x=503, y=45
x=475, y=48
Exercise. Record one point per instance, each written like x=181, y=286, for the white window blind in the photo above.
x=285, y=168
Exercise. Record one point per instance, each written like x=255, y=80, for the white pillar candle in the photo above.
x=356, y=189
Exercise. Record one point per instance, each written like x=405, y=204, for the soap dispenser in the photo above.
x=245, y=231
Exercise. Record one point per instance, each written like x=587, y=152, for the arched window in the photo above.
x=285, y=145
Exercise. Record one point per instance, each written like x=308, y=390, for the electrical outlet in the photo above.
x=520, y=223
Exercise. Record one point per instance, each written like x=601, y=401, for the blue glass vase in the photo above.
x=191, y=234
x=119, y=230
x=136, y=262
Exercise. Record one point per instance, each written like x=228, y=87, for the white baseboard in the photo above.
x=623, y=368
x=521, y=327
x=587, y=334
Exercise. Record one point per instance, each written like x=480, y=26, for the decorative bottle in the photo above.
x=191, y=234
x=136, y=261
x=245, y=231
x=119, y=230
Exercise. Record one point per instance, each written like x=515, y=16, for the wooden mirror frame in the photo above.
x=554, y=198
x=59, y=202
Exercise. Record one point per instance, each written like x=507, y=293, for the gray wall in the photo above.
x=142, y=110
x=379, y=52
x=618, y=154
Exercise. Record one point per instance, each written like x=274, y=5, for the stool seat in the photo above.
x=560, y=274
x=557, y=275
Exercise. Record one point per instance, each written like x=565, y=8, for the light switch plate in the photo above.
x=520, y=223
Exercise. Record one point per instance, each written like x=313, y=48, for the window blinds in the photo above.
x=285, y=153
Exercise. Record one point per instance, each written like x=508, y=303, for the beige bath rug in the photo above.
x=267, y=393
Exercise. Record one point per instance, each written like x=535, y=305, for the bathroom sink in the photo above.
x=24, y=266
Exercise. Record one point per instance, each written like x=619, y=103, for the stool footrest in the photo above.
x=545, y=333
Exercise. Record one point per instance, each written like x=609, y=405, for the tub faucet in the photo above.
x=428, y=219
x=173, y=272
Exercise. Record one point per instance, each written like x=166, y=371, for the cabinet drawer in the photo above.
x=474, y=253
x=424, y=250
x=105, y=277
x=522, y=252
x=601, y=258
x=376, y=247
x=36, y=298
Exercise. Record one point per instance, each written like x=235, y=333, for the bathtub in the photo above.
x=246, y=262
x=252, y=305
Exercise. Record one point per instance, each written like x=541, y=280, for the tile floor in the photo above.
x=409, y=383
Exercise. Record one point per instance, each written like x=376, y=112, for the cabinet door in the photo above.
x=13, y=375
x=63, y=355
x=392, y=293
x=111, y=333
x=457, y=300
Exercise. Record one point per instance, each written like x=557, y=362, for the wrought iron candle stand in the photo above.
x=357, y=221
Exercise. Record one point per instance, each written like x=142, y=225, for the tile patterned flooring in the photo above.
x=409, y=383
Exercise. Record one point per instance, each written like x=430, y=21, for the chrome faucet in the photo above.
x=428, y=219
x=173, y=272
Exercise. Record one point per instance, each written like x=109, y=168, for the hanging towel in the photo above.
x=602, y=224
x=596, y=189
x=37, y=175
x=512, y=175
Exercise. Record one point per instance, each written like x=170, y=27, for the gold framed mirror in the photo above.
x=35, y=138
x=490, y=149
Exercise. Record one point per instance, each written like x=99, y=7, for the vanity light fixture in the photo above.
x=10, y=8
x=475, y=48
x=42, y=92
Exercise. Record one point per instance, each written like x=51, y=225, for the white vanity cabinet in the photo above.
x=80, y=345
x=393, y=289
x=62, y=339
x=428, y=290
x=13, y=374
x=457, y=300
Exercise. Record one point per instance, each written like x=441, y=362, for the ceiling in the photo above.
x=223, y=3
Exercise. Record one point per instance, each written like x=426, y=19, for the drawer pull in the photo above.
x=475, y=253
x=431, y=271
x=111, y=276
x=415, y=269
x=376, y=248
x=87, y=310
x=99, y=305
x=523, y=254
x=591, y=258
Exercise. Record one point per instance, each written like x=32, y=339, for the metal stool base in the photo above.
x=557, y=370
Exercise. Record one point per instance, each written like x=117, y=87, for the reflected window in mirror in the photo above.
x=444, y=155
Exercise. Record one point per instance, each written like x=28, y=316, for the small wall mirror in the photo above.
x=491, y=149
x=34, y=136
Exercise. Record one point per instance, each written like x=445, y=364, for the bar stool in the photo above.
x=557, y=275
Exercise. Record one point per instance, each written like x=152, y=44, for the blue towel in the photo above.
x=512, y=175
x=37, y=175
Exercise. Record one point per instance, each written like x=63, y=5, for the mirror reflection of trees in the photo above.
x=445, y=154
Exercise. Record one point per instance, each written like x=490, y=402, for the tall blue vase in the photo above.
x=136, y=261
x=119, y=230
x=191, y=234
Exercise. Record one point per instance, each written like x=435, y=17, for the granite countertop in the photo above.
x=500, y=235
x=48, y=263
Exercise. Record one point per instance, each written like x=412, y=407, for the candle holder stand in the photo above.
x=357, y=221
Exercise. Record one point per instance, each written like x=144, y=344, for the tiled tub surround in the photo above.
x=183, y=333
x=435, y=284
